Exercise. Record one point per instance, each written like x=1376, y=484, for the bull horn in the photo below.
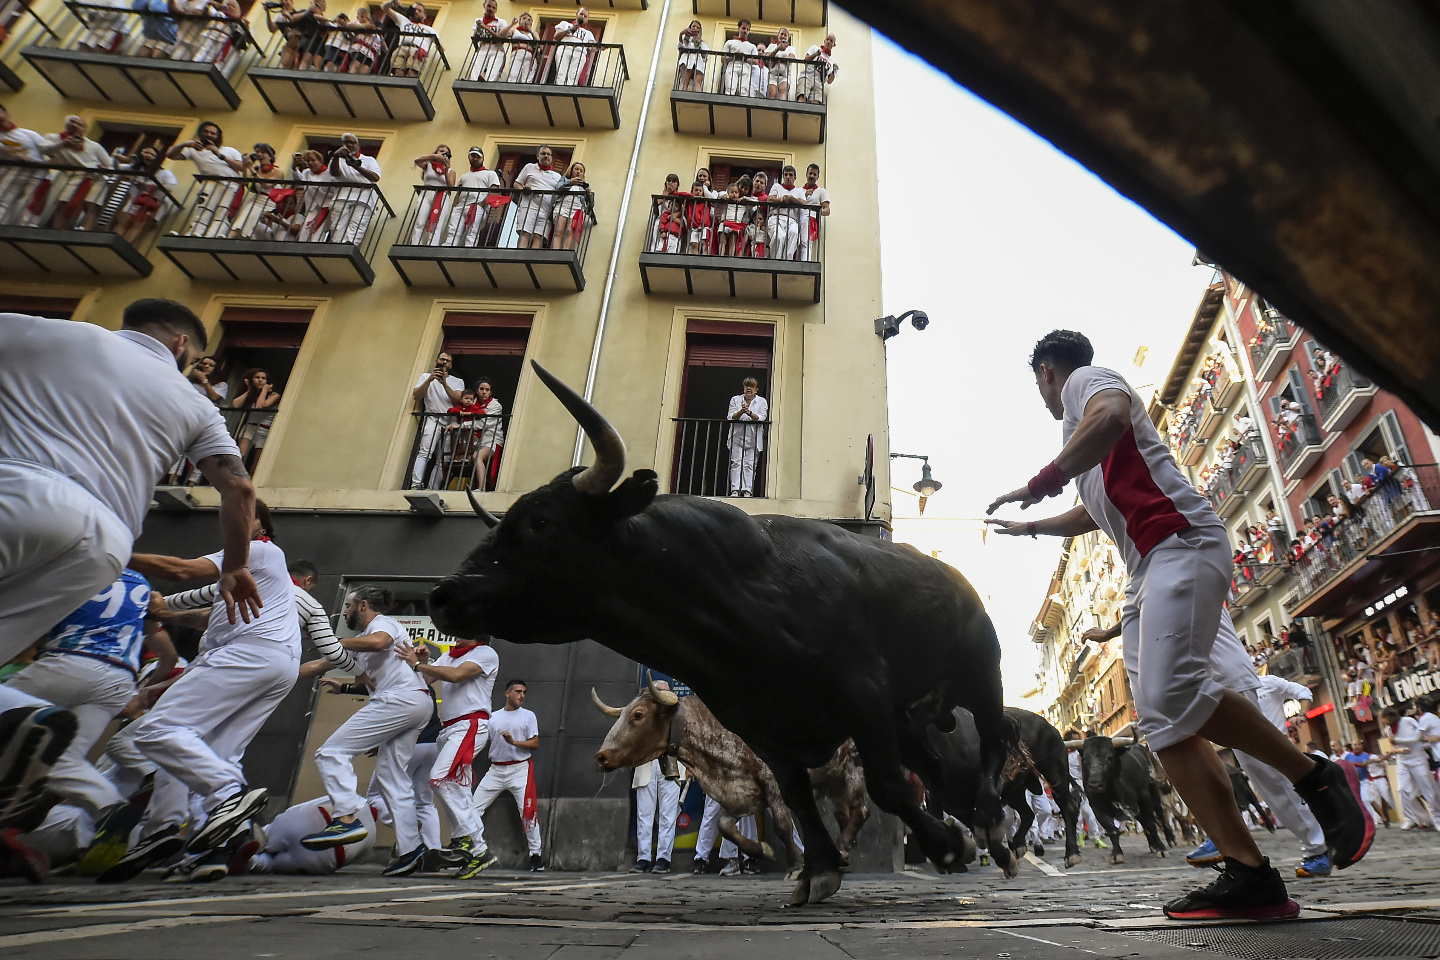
x=1122, y=741
x=665, y=698
x=490, y=519
x=609, y=465
x=1074, y=744
x=605, y=708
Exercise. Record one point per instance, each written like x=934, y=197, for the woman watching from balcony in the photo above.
x=571, y=208
x=532, y=212
x=690, y=70
x=312, y=26
x=669, y=219
x=367, y=48
x=145, y=202
x=523, y=63
x=278, y=19
x=780, y=65
x=571, y=63
x=261, y=165
x=432, y=207
x=489, y=436
x=759, y=211
x=255, y=399
x=489, y=61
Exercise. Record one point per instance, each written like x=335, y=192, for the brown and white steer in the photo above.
x=657, y=722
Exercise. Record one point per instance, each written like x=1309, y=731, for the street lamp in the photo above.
x=927, y=486
x=887, y=327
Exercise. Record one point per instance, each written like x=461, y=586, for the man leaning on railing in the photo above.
x=353, y=207
x=747, y=414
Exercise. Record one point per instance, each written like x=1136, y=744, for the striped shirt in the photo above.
x=313, y=621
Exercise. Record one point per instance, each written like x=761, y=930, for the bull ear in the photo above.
x=632, y=496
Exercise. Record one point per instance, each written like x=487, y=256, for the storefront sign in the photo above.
x=1421, y=682
x=421, y=628
x=1293, y=708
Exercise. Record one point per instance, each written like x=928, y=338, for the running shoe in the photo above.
x=233, y=811
x=701, y=865
x=458, y=851
x=1314, y=866
x=749, y=865
x=1334, y=799
x=1238, y=893
x=337, y=834
x=483, y=860
x=19, y=859
x=31, y=740
x=641, y=866
x=731, y=868
x=1205, y=855
x=1100, y=843
x=405, y=864
x=148, y=852
x=112, y=836
x=662, y=866
x=536, y=864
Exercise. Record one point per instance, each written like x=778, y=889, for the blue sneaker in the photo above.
x=1205, y=855
x=1314, y=866
x=336, y=834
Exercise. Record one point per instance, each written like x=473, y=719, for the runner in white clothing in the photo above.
x=1419, y=803
x=514, y=735
x=284, y=853
x=1178, y=557
x=74, y=491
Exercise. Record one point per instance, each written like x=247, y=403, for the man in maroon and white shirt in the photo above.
x=514, y=735
x=1178, y=557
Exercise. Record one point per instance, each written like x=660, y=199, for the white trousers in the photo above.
x=391, y=721
x=1373, y=791
x=350, y=217
x=1088, y=821
x=744, y=451
x=570, y=63
x=709, y=829
x=428, y=818
x=431, y=433
x=455, y=797
x=1285, y=804
x=123, y=764
x=784, y=237
x=747, y=828
x=284, y=854
x=489, y=62
x=1417, y=784
x=512, y=778
x=59, y=546
x=458, y=234
x=95, y=692
x=198, y=731
x=660, y=798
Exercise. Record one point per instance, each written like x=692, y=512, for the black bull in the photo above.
x=1120, y=785
x=797, y=633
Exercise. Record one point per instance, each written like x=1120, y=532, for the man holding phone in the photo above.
x=434, y=394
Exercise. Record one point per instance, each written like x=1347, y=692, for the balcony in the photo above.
x=62, y=220
x=1225, y=389
x=25, y=27
x=459, y=237
x=753, y=251
x=1189, y=448
x=1250, y=463
x=247, y=427
x=1300, y=447
x=543, y=84
x=1341, y=396
x=718, y=458
x=280, y=231
x=370, y=95
x=732, y=99
x=1209, y=418
x=185, y=62
x=806, y=13
x=601, y=5
x=453, y=452
x=1275, y=340
x=1245, y=585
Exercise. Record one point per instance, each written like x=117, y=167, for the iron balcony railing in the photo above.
x=183, y=37
x=463, y=217
x=1272, y=329
x=760, y=229
x=26, y=27
x=248, y=427
x=456, y=451
x=307, y=45
x=721, y=458
x=562, y=63
x=251, y=209
x=1334, y=387
x=1299, y=434
x=1411, y=489
x=737, y=75
x=133, y=206
x=1225, y=478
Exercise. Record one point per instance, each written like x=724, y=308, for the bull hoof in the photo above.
x=824, y=885
x=801, y=894
x=1160, y=854
x=1072, y=859
x=1117, y=858
x=767, y=851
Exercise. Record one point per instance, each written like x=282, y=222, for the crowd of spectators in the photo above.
x=1269, y=647
x=772, y=71
x=1388, y=652
x=196, y=31
x=750, y=218
x=461, y=433
x=511, y=51
x=1191, y=407
x=398, y=45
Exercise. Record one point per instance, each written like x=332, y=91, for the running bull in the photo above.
x=873, y=638
x=1120, y=784
x=658, y=722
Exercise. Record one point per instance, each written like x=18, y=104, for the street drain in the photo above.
x=1307, y=940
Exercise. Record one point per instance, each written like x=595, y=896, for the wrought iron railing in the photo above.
x=737, y=75
x=1225, y=478
x=1335, y=386
x=761, y=229
x=464, y=217
x=26, y=27
x=721, y=458
x=1273, y=329
x=319, y=46
x=456, y=451
x=134, y=206
x=1299, y=434
x=1411, y=489
x=182, y=37
x=250, y=209
x=556, y=62
x=248, y=427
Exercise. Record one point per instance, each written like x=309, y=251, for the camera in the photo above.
x=271, y=4
x=921, y=320
x=254, y=158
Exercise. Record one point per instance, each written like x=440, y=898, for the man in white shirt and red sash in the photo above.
x=514, y=734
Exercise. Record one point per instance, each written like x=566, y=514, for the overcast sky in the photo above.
x=1000, y=238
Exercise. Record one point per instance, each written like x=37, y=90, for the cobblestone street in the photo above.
x=1096, y=909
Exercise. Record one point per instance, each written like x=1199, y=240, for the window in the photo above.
x=719, y=357
x=1384, y=439
x=513, y=159
x=723, y=170
x=256, y=341
x=115, y=134
x=329, y=143
x=56, y=308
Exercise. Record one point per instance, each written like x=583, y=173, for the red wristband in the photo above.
x=1047, y=483
x=1030, y=529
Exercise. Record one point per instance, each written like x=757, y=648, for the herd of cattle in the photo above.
x=892, y=665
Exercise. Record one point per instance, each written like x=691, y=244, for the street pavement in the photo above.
x=1388, y=905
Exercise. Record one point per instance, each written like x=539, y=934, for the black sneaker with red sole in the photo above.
x=1239, y=893
x=1333, y=796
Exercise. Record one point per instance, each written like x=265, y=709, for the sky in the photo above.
x=1022, y=240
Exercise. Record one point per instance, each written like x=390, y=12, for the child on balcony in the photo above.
x=732, y=223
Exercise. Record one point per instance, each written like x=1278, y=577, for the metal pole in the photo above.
x=620, y=229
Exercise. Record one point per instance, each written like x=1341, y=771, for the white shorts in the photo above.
x=59, y=546
x=1172, y=616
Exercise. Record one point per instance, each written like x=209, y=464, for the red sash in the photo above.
x=462, y=767
x=37, y=202
x=530, y=809
x=577, y=220
x=434, y=219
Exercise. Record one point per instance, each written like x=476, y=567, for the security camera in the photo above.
x=921, y=320
x=887, y=327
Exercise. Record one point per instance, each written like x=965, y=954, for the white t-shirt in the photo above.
x=1272, y=694
x=479, y=178
x=536, y=179
x=416, y=31
x=207, y=164
x=743, y=47
x=436, y=399
x=387, y=670
x=221, y=388
x=22, y=144
x=1407, y=734
x=278, y=620
x=90, y=155
x=350, y=174
x=1136, y=494
x=817, y=55
x=473, y=694
x=520, y=724
x=1430, y=726
x=788, y=211
x=738, y=430
x=117, y=450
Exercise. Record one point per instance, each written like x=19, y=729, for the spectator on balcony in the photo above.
x=817, y=205
x=571, y=62
x=732, y=220
x=524, y=64
x=476, y=209
x=207, y=151
x=434, y=394
x=1244, y=426
x=690, y=70
x=741, y=76
x=158, y=32
x=575, y=203
x=318, y=197
x=747, y=436
x=278, y=20
x=367, y=48
x=489, y=435
x=702, y=177
x=260, y=165
x=758, y=195
x=780, y=66
x=335, y=55
x=199, y=376
x=305, y=32
x=532, y=212
x=18, y=185
x=819, y=71
x=669, y=219
x=103, y=31
x=489, y=47
x=1338, y=507
x=416, y=38
x=459, y=442
x=434, y=202
x=700, y=218
x=258, y=399
x=142, y=202
x=211, y=42
x=784, y=223
x=74, y=198
x=353, y=207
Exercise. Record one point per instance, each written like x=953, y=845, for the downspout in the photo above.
x=620, y=228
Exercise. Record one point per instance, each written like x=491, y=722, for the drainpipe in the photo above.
x=620, y=227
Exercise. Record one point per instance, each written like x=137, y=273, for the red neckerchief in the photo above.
x=459, y=650
x=488, y=19
x=811, y=189
x=438, y=166
x=546, y=166
x=477, y=169
x=263, y=539
x=266, y=167
x=828, y=50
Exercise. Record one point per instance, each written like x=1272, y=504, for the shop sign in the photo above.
x=423, y=629
x=1293, y=708
x=1417, y=683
